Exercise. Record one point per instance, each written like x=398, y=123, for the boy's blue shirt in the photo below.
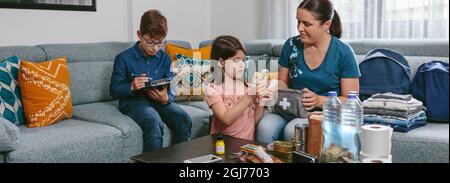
x=132, y=63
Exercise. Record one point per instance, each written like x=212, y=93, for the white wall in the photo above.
x=188, y=20
x=118, y=20
x=240, y=18
x=32, y=27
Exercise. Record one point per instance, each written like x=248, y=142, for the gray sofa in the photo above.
x=100, y=133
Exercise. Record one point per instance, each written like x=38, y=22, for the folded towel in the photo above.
x=391, y=95
x=393, y=104
x=395, y=113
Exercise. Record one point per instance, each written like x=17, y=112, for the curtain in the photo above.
x=366, y=19
x=279, y=18
x=394, y=19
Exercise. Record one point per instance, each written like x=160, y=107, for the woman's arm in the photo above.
x=347, y=85
x=283, y=77
x=313, y=100
x=227, y=117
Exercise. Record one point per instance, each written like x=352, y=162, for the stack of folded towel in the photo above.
x=402, y=112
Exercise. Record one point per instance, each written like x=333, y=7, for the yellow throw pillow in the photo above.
x=172, y=50
x=45, y=89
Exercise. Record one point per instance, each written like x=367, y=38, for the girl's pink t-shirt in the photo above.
x=244, y=126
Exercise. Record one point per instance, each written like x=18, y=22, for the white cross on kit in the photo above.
x=285, y=104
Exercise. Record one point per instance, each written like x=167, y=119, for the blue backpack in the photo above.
x=384, y=71
x=430, y=85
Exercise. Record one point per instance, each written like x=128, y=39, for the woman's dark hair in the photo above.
x=324, y=10
x=223, y=47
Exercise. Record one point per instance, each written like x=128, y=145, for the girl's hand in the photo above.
x=258, y=90
x=311, y=100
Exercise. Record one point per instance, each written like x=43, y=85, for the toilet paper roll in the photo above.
x=363, y=156
x=376, y=160
x=376, y=140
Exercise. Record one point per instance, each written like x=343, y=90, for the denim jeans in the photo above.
x=273, y=127
x=150, y=117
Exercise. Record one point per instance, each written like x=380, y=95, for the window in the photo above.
x=394, y=19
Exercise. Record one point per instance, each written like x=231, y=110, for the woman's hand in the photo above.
x=312, y=100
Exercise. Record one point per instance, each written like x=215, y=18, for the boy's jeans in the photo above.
x=150, y=117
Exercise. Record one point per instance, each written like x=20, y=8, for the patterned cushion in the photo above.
x=45, y=89
x=10, y=100
x=202, y=53
x=191, y=78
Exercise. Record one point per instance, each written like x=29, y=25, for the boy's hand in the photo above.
x=160, y=96
x=139, y=82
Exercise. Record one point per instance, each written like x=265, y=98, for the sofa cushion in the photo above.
x=24, y=52
x=94, y=77
x=85, y=52
x=107, y=113
x=254, y=47
x=11, y=107
x=427, y=48
x=9, y=134
x=191, y=78
x=427, y=144
x=200, y=124
x=70, y=141
x=198, y=104
x=173, y=50
x=45, y=90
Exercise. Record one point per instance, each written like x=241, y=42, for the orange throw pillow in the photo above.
x=204, y=53
x=45, y=89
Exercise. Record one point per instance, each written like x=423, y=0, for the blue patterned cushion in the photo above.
x=10, y=101
x=191, y=78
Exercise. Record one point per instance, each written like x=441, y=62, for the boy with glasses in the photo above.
x=149, y=107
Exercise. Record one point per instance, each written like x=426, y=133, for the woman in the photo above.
x=316, y=62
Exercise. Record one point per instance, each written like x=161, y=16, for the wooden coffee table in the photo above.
x=192, y=149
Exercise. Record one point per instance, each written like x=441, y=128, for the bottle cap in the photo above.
x=351, y=96
x=332, y=94
x=219, y=137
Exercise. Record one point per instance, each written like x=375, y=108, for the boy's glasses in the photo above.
x=151, y=43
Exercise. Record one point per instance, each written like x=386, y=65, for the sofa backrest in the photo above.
x=24, y=53
x=90, y=65
x=257, y=48
x=416, y=52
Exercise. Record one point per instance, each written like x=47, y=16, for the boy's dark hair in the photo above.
x=154, y=24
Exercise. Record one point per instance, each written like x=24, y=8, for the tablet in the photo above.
x=160, y=83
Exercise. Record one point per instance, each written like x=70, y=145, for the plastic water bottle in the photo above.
x=350, y=125
x=331, y=120
x=361, y=111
